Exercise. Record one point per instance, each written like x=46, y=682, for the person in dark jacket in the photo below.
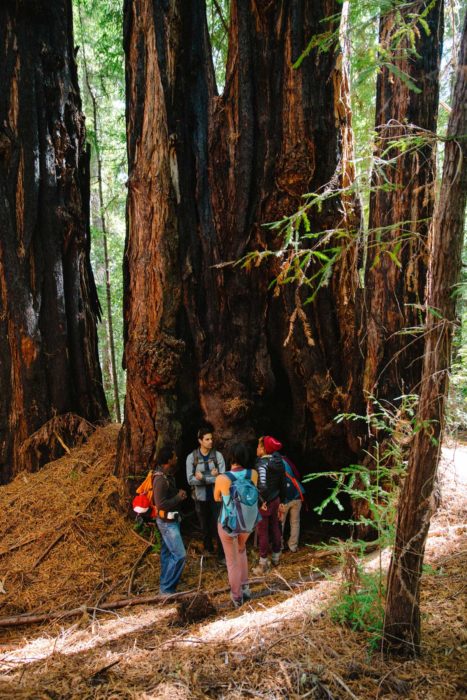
x=167, y=499
x=272, y=493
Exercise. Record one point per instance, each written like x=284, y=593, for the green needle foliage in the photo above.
x=375, y=486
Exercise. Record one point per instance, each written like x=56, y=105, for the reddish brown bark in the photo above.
x=417, y=502
x=48, y=302
x=401, y=206
x=206, y=172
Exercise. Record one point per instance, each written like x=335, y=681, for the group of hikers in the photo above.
x=230, y=505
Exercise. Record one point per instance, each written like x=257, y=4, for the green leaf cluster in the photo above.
x=376, y=484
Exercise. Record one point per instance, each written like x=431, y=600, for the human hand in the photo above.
x=198, y=476
x=214, y=471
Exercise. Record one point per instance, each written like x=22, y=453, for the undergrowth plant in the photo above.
x=149, y=532
x=373, y=488
x=360, y=605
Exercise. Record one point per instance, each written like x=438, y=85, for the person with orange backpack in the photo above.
x=167, y=498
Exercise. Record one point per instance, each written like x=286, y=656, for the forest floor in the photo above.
x=64, y=544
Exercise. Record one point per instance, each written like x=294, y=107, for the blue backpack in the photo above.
x=240, y=514
x=294, y=488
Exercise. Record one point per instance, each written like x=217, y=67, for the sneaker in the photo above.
x=293, y=549
x=275, y=559
x=262, y=568
x=246, y=593
x=237, y=602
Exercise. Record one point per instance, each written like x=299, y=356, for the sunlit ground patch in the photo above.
x=73, y=641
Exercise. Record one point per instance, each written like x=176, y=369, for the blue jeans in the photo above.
x=172, y=556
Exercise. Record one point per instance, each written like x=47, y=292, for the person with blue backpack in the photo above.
x=239, y=515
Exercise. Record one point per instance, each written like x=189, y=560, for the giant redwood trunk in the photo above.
x=48, y=302
x=207, y=172
x=417, y=502
x=401, y=204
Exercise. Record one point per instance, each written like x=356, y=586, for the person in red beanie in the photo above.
x=272, y=492
x=271, y=445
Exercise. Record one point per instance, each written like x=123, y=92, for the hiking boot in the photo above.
x=262, y=568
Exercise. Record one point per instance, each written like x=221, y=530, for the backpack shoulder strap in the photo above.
x=156, y=474
x=154, y=477
x=230, y=476
x=195, y=460
x=296, y=484
x=213, y=456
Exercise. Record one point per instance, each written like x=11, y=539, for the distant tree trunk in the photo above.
x=402, y=623
x=401, y=206
x=48, y=302
x=206, y=173
x=102, y=225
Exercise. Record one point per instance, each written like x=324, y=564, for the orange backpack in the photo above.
x=143, y=503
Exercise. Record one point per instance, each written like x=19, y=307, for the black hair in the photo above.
x=239, y=454
x=164, y=455
x=204, y=430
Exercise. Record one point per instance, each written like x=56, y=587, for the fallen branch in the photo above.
x=23, y=543
x=65, y=447
x=136, y=564
x=51, y=546
x=143, y=539
x=18, y=620
x=343, y=685
x=102, y=670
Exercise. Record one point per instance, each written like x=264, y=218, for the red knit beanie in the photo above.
x=271, y=444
